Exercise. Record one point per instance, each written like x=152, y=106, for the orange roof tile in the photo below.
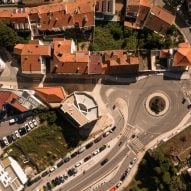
x=51, y=94
x=18, y=49
x=182, y=57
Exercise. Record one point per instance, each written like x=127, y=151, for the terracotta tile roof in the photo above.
x=95, y=65
x=159, y=20
x=67, y=60
x=35, y=49
x=31, y=56
x=183, y=45
x=51, y=94
x=10, y=98
x=182, y=57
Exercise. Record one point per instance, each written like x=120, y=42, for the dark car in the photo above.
x=123, y=176
x=59, y=164
x=183, y=100
x=102, y=148
x=48, y=185
x=97, y=139
x=45, y=173
x=74, y=154
x=87, y=158
x=22, y=131
x=66, y=159
x=104, y=162
x=61, y=178
x=113, y=128
x=10, y=139
x=72, y=171
x=89, y=145
x=2, y=143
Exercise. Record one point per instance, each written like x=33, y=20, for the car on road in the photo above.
x=113, y=128
x=22, y=131
x=102, y=148
x=17, y=134
x=66, y=159
x=95, y=152
x=106, y=134
x=81, y=150
x=78, y=164
x=124, y=175
x=5, y=141
x=118, y=184
x=65, y=176
x=90, y=144
x=87, y=158
x=103, y=162
x=31, y=124
x=35, y=122
x=53, y=168
x=97, y=139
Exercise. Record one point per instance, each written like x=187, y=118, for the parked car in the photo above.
x=106, y=134
x=81, y=150
x=66, y=159
x=2, y=143
x=45, y=173
x=34, y=122
x=12, y=121
x=95, y=152
x=124, y=176
x=74, y=154
x=53, y=168
x=113, y=128
x=14, y=137
x=72, y=171
x=27, y=127
x=17, y=134
x=59, y=164
x=97, y=139
x=10, y=139
x=87, y=158
x=22, y=131
x=118, y=184
x=104, y=162
x=5, y=141
x=89, y=145
x=78, y=164
x=31, y=124
x=102, y=148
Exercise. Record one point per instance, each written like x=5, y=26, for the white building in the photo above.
x=12, y=177
x=2, y=65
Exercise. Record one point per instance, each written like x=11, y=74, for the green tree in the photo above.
x=166, y=178
x=8, y=37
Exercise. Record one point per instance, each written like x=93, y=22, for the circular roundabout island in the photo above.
x=157, y=104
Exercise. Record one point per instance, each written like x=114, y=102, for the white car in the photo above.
x=17, y=134
x=118, y=184
x=78, y=164
x=81, y=150
x=106, y=134
x=34, y=122
x=5, y=141
x=53, y=168
x=95, y=152
x=31, y=124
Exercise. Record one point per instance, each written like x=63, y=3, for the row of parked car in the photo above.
x=7, y=140
x=72, y=171
x=126, y=172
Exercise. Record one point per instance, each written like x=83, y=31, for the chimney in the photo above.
x=60, y=54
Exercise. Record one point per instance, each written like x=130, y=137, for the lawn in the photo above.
x=179, y=146
x=45, y=145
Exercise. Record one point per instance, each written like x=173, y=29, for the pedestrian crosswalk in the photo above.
x=136, y=144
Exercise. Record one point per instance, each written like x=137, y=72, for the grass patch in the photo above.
x=43, y=146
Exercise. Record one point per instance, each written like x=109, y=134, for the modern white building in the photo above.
x=12, y=177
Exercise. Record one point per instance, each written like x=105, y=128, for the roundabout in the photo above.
x=157, y=104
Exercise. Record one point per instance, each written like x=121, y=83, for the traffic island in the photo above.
x=157, y=104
